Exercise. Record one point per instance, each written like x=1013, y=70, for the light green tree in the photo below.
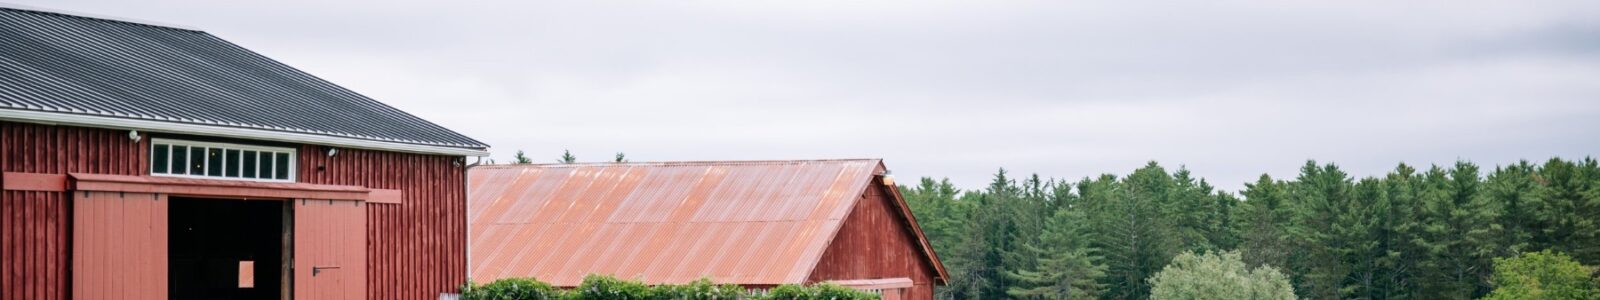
x=1544, y=275
x=1218, y=276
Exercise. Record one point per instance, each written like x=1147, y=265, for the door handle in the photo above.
x=316, y=269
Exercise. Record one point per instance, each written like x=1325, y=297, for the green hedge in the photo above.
x=606, y=287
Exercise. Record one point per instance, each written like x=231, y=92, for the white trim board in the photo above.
x=231, y=132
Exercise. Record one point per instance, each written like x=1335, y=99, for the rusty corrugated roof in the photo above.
x=745, y=222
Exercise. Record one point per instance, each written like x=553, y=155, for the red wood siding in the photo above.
x=330, y=235
x=416, y=249
x=875, y=243
x=34, y=246
x=119, y=246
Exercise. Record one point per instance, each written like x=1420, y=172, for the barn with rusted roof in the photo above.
x=752, y=223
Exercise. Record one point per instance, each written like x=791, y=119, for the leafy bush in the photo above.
x=595, y=287
x=606, y=287
x=512, y=289
x=1543, y=275
x=816, y=292
x=1218, y=276
x=701, y=289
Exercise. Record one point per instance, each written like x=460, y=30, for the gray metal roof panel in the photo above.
x=65, y=63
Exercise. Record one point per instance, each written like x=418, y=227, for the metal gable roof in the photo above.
x=743, y=222
x=54, y=64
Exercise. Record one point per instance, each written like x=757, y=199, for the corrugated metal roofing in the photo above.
x=52, y=62
x=751, y=223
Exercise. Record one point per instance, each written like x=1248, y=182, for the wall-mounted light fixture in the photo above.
x=134, y=135
x=332, y=151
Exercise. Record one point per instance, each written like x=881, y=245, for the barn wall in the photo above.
x=37, y=224
x=874, y=243
x=415, y=249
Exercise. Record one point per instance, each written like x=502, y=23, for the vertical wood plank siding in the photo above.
x=37, y=225
x=874, y=243
x=121, y=244
x=415, y=249
x=329, y=234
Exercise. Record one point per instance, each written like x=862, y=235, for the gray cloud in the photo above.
x=1231, y=89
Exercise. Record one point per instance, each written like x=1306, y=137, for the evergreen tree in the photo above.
x=1458, y=233
x=567, y=158
x=1265, y=218
x=1570, y=194
x=1319, y=197
x=1512, y=189
x=1400, y=229
x=1132, y=228
x=521, y=158
x=1067, y=267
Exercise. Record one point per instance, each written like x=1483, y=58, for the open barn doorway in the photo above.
x=228, y=249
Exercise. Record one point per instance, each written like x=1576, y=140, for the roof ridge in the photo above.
x=94, y=16
x=678, y=163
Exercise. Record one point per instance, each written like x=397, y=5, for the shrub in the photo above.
x=596, y=287
x=1542, y=275
x=1218, y=276
x=823, y=291
x=511, y=289
x=606, y=287
x=701, y=289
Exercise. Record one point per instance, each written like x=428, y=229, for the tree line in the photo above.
x=1412, y=233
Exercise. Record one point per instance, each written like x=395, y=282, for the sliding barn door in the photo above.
x=330, y=250
x=119, y=245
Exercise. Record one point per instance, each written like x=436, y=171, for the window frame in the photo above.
x=223, y=148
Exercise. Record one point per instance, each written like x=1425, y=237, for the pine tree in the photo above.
x=567, y=158
x=1570, y=193
x=1132, y=227
x=521, y=158
x=1458, y=234
x=1265, y=218
x=1512, y=189
x=1067, y=267
x=1360, y=227
x=1401, y=228
x=1320, y=195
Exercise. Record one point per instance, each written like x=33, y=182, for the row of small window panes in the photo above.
x=219, y=162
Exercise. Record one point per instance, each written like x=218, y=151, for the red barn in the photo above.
x=148, y=161
x=752, y=223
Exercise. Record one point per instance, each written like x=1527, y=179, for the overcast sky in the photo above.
x=1230, y=89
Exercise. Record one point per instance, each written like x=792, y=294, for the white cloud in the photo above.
x=1229, y=88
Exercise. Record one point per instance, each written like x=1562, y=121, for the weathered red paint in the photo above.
x=215, y=188
x=751, y=223
x=329, y=254
x=34, y=246
x=415, y=249
x=120, y=246
x=876, y=242
x=17, y=181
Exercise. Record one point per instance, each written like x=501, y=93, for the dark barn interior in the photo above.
x=210, y=237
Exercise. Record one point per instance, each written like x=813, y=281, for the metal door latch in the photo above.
x=316, y=269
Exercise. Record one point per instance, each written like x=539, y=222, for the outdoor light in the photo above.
x=332, y=151
x=133, y=135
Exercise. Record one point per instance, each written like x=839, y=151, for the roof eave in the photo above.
x=231, y=132
x=98, y=16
